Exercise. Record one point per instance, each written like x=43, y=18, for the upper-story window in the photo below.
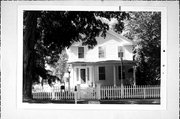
x=101, y=52
x=120, y=51
x=80, y=52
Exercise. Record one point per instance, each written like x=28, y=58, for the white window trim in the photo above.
x=104, y=50
x=79, y=52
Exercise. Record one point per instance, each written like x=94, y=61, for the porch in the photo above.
x=110, y=72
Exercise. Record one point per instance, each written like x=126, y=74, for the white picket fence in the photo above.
x=111, y=92
x=103, y=93
x=56, y=93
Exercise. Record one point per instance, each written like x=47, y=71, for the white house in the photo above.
x=102, y=64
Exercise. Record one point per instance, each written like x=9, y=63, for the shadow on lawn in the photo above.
x=122, y=101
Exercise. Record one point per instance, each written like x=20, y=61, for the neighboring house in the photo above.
x=102, y=64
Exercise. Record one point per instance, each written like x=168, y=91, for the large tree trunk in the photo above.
x=29, y=40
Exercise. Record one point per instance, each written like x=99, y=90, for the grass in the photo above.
x=120, y=101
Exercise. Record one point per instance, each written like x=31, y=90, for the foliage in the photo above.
x=61, y=66
x=145, y=29
x=48, y=33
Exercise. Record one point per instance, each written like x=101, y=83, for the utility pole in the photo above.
x=121, y=72
x=122, y=86
x=134, y=75
x=69, y=76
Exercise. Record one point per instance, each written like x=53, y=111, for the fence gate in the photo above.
x=87, y=93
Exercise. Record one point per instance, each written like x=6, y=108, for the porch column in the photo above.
x=93, y=76
x=134, y=75
x=78, y=91
x=114, y=73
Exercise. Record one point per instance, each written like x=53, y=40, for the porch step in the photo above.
x=94, y=102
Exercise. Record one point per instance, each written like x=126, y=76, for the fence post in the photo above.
x=98, y=91
x=75, y=94
x=122, y=91
x=52, y=93
x=144, y=90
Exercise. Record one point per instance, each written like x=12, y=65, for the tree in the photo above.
x=145, y=29
x=61, y=66
x=47, y=33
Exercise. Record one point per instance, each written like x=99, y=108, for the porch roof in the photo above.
x=130, y=62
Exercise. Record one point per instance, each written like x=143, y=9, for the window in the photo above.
x=119, y=73
x=102, y=73
x=120, y=51
x=80, y=52
x=101, y=52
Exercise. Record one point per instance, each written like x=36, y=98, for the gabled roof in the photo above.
x=119, y=36
x=116, y=35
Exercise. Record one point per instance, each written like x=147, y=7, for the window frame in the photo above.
x=101, y=51
x=120, y=50
x=80, y=53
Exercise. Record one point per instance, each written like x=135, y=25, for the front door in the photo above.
x=83, y=75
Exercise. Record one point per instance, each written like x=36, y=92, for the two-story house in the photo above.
x=102, y=64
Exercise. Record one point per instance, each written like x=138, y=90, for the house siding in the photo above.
x=110, y=43
x=110, y=75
